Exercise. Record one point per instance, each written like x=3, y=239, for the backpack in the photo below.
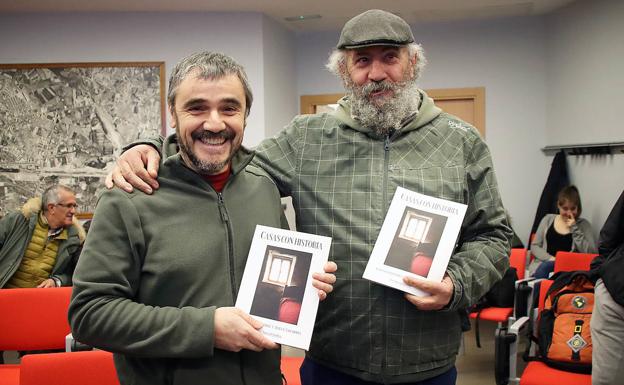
x=499, y=295
x=564, y=327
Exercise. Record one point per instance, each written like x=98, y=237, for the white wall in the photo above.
x=280, y=80
x=507, y=58
x=75, y=37
x=585, y=46
x=280, y=86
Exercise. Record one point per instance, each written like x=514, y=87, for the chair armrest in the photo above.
x=72, y=345
x=515, y=329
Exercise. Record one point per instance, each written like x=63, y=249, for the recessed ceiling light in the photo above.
x=302, y=17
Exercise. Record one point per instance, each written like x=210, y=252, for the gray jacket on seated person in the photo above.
x=583, y=240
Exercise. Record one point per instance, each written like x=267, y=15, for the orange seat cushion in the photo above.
x=538, y=373
x=496, y=314
x=9, y=374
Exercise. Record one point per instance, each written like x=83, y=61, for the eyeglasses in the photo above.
x=67, y=205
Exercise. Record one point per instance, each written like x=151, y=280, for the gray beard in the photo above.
x=388, y=117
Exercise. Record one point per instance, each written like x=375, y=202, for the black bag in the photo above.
x=500, y=295
x=503, y=291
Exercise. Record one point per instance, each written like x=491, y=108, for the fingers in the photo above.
x=108, y=182
x=153, y=161
x=236, y=330
x=330, y=267
x=117, y=175
x=46, y=283
x=324, y=281
x=259, y=342
x=127, y=177
x=441, y=293
x=130, y=170
x=256, y=324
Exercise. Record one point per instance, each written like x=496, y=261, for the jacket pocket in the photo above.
x=445, y=182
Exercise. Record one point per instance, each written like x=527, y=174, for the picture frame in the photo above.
x=66, y=123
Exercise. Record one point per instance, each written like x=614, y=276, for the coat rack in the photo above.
x=587, y=149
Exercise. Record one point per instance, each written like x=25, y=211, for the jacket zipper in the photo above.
x=384, y=335
x=226, y=219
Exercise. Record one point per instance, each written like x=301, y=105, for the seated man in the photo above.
x=40, y=245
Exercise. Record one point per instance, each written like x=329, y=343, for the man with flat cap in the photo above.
x=342, y=169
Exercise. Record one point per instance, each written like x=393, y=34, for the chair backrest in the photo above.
x=569, y=261
x=34, y=319
x=77, y=368
x=543, y=289
x=517, y=259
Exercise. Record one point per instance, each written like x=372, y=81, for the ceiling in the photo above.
x=334, y=13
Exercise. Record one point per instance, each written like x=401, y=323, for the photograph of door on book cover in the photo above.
x=416, y=241
x=281, y=284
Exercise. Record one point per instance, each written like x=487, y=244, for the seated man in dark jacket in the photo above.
x=40, y=245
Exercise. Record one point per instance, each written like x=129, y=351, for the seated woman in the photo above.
x=565, y=231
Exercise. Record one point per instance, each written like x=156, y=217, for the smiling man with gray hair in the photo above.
x=342, y=169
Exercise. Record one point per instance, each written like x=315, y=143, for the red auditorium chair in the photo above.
x=31, y=319
x=517, y=259
x=536, y=372
x=77, y=368
x=290, y=369
x=570, y=261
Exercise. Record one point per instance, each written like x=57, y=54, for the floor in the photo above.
x=475, y=366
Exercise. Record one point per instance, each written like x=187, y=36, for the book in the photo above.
x=417, y=239
x=276, y=287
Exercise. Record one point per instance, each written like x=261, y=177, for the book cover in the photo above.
x=417, y=239
x=277, y=283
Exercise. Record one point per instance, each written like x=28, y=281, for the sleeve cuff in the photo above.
x=458, y=292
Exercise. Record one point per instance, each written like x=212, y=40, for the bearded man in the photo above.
x=341, y=170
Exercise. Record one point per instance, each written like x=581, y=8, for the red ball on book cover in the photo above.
x=421, y=264
x=289, y=311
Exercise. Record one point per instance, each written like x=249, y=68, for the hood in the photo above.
x=33, y=207
x=426, y=113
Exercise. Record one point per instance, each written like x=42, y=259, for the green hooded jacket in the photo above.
x=156, y=267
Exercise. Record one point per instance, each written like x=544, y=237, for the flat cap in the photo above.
x=375, y=27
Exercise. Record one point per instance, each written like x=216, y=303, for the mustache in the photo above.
x=226, y=134
x=368, y=89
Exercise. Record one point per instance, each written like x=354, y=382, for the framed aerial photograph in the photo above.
x=67, y=123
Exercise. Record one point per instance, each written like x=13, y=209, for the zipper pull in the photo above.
x=224, y=216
